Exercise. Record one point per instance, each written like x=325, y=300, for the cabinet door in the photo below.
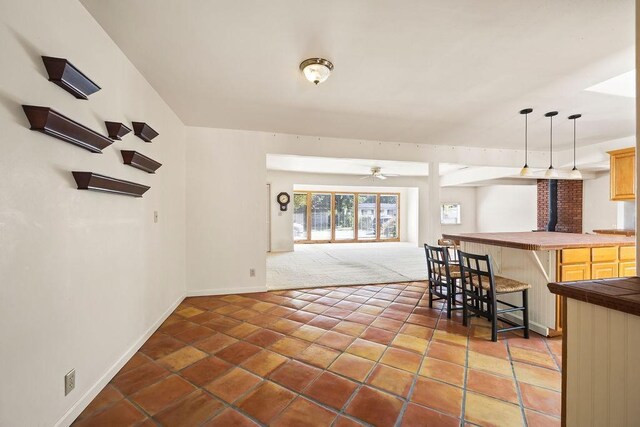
x=573, y=272
x=627, y=253
x=604, y=270
x=627, y=269
x=623, y=164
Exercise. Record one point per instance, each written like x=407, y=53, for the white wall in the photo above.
x=226, y=211
x=84, y=276
x=506, y=208
x=466, y=196
x=598, y=212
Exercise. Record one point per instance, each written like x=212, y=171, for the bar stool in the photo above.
x=452, y=250
x=480, y=289
x=443, y=277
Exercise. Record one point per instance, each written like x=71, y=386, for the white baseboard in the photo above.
x=331, y=285
x=93, y=391
x=226, y=291
x=533, y=326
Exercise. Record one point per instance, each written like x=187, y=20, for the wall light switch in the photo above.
x=155, y=216
x=252, y=272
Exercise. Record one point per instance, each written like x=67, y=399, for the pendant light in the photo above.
x=525, y=169
x=575, y=173
x=551, y=173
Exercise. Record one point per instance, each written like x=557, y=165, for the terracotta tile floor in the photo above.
x=341, y=356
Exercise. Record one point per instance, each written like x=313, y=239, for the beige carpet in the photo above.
x=345, y=264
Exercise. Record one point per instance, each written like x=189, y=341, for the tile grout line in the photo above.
x=416, y=375
x=378, y=291
x=515, y=378
x=466, y=374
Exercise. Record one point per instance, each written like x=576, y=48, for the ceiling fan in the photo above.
x=376, y=172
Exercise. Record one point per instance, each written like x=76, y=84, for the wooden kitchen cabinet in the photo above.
x=573, y=272
x=623, y=172
x=604, y=270
x=627, y=269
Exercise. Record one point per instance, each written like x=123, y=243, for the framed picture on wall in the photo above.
x=450, y=213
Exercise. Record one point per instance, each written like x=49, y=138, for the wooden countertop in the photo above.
x=543, y=240
x=616, y=231
x=617, y=294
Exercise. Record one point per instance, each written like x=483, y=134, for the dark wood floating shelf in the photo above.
x=52, y=123
x=116, y=130
x=97, y=182
x=139, y=161
x=144, y=131
x=68, y=77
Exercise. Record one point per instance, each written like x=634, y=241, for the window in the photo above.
x=345, y=217
x=320, y=216
x=300, y=216
x=389, y=216
x=345, y=209
x=450, y=213
x=367, y=216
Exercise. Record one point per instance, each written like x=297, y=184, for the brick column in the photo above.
x=569, y=205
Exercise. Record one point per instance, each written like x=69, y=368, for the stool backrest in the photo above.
x=476, y=270
x=451, y=247
x=437, y=264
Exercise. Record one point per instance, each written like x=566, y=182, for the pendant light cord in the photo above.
x=551, y=143
x=526, y=151
x=574, y=143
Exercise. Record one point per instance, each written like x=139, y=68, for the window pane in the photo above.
x=450, y=213
x=345, y=214
x=320, y=216
x=388, y=217
x=367, y=216
x=300, y=216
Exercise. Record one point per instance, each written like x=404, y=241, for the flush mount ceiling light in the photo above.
x=575, y=173
x=525, y=169
x=316, y=70
x=551, y=173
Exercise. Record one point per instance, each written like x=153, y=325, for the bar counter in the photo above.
x=601, y=347
x=544, y=240
x=539, y=258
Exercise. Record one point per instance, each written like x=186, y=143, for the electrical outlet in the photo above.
x=252, y=272
x=155, y=216
x=69, y=381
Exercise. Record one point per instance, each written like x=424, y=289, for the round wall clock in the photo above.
x=283, y=199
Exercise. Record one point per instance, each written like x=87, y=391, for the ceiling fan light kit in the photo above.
x=376, y=172
x=316, y=70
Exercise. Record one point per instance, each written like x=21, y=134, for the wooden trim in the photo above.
x=563, y=409
x=97, y=182
x=139, y=161
x=144, y=131
x=333, y=217
x=52, y=123
x=116, y=130
x=69, y=77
